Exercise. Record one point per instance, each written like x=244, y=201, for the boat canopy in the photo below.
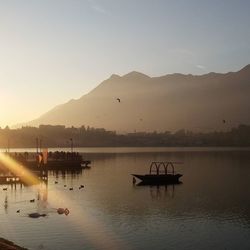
x=156, y=167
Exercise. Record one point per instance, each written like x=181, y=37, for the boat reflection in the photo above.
x=161, y=191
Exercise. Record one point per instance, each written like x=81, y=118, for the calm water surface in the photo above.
x=209, y=210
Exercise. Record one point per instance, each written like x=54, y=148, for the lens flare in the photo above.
x=18, y=169
x=95, y=231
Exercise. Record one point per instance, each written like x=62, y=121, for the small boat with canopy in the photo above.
x=159, y=173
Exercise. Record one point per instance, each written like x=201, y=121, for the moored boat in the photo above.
x=159, y=174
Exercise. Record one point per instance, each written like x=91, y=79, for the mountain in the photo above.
x=207, y=102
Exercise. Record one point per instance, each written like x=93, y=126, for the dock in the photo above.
x=49, y=160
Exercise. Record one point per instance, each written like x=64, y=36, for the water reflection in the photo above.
x=6, y=204
x=162, y=192
x=158, y=191
x=9, y=179
x=74, y=174
x=38, y=192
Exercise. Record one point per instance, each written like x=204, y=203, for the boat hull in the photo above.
x=159, y=179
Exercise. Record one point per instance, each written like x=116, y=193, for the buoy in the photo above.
x=60, y=210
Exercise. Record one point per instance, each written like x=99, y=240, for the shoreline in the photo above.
x=9, y=245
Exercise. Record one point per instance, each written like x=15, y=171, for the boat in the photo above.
x=159, y=174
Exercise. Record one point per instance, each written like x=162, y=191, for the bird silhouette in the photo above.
x=224, y=121
x=118, y=99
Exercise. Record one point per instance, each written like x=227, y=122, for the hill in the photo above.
x=207, y=102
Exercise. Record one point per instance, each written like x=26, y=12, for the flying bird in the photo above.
x=118, y=99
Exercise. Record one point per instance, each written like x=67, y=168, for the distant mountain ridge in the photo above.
x=164, y=103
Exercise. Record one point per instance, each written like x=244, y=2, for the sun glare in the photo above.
x=18, y=170
x=106, y=239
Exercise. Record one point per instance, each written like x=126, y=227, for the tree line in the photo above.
x=61, y=136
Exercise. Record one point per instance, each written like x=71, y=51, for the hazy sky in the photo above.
x=54, y=50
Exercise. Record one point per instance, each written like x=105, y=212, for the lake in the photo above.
x=209, y=210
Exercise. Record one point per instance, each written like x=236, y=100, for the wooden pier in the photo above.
x=49, y=160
